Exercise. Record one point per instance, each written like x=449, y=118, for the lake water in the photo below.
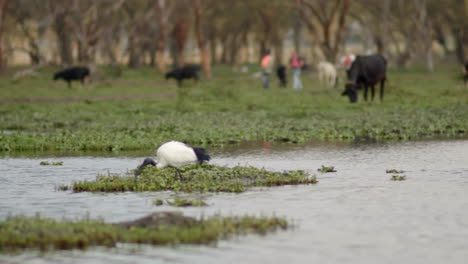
x=356, y=215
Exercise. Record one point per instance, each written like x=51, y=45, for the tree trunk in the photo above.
x=384, y=28
x=297, y=27
x=464, y=38
x=161, y=20
x=3, y=9
x=225, y=48
x=180, y=38
x=212, y=41
x=63, y=36
x=134, y=53
x=205, y=60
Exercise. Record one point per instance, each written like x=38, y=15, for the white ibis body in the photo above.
x=175, y=154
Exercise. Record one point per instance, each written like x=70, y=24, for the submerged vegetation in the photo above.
x=200, y=178
x=21, y=233
x=54, y=163
x=187, y=202
x=327, y=169
x=398, y=178
x=394, y=171
x=232, y=108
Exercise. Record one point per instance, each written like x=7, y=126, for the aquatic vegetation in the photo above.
x=187, y=202
x=327, y=169
x=394, y=171
x=63, y=187
x=167, y=228
x=398, y=178
x=199, y=178
x=158, y=202
x=55, y=163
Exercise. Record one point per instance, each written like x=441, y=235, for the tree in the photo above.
x=3, y=9
x=162, y=12
x=205, y=60
x=180, y=31
x=326, y=21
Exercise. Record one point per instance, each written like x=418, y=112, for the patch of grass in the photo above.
x=394, y=171
x=158, y=202
x=200, y=178
x=47, y=163
x=229, y=109
x=325, y=169
x=398, y=178
x=186, y=203
x=21, y=233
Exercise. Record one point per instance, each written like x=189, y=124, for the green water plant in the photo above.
x=158, y=202
x=163, y=228
x=54, y=163
x=394, y=171
x=200, y=178
x=327, y=169
x=186, y=203
x=398, y=178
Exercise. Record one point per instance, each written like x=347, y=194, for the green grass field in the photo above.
x=140, y=110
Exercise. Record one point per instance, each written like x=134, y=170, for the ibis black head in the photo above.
x=146, y=162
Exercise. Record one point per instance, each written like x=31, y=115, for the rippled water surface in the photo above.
x=356, y=215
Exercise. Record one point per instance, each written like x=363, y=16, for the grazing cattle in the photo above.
x=72, y=74
x=185, y=72
x=465, y=73
x=327, y=73
x=282, y=76
x=366, y=71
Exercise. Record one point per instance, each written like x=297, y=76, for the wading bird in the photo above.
x=175, y=154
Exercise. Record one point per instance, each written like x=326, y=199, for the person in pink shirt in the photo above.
x=267, y=68
x=296, y=64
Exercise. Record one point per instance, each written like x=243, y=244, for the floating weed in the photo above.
x=164, y=228
x=200, y=178
x=158, y=202
x=63, y=187
x=327, y=169
x=398, y=178
x=394, y=171
x=187, y=202
x=55, y=163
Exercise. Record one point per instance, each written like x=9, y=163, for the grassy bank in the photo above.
x=140, y=110
x=21, y=233
x=200, y=178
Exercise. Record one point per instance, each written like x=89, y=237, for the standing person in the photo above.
x=267, y=68
x=347, y=60
x=296, y=64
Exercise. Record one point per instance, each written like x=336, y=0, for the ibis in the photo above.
x=175, y=154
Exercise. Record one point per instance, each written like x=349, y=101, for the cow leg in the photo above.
x=372, y=92
x=69, y=84
x=382, y=84
x=365, y=92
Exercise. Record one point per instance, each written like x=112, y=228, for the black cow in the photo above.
x=366, y=71
x=282, y=76
x=72, y=74
x=185, y=72
x=465, y=72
